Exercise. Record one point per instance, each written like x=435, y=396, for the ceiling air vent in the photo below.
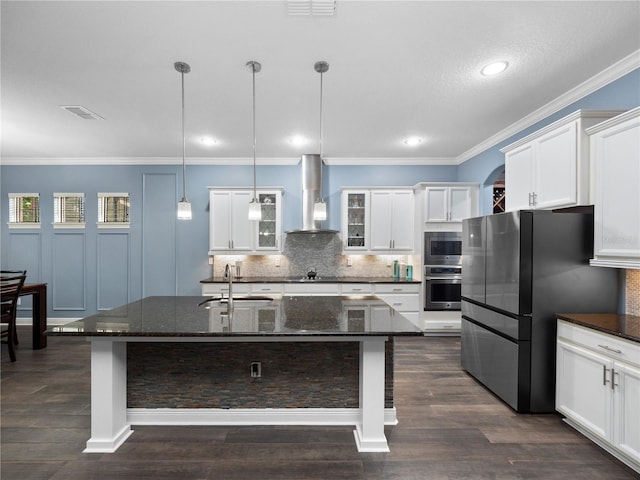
x=80, y=111
x=311, y=7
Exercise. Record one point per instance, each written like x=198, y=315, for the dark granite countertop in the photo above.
x=320, y=279
x=620, y=325
x=301, y=316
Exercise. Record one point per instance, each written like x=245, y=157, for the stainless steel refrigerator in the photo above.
x=518, y=269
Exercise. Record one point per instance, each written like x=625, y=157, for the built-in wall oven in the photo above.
x=442, y=287
x=442, y=270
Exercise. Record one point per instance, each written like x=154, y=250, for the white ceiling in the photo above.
x=397, y=68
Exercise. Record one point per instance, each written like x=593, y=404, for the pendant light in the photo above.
x=319, y=207
x=184, y=207
x=255, y=209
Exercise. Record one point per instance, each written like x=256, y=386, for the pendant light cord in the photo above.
x=321, y=74
x=184, y=147
x=253, y=70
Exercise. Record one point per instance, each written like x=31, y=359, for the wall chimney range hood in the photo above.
x=311, y=191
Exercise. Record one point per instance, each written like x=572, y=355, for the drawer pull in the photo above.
x=356, y=289
x=397, y=304
x=397, y=289
x=619, y=352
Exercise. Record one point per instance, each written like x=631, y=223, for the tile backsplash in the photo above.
x=322, y=251
x=632, y=303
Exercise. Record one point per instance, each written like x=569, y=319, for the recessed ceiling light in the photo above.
x=494, y=68
x=208, y=141
x=413, y=141
x=298, y=140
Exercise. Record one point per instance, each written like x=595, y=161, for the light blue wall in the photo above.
x=623, y=94
x=94, y=269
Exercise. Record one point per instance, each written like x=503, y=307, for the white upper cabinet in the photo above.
x=392, y=220
x=230, y=229
x=377, y=220
x=450, y=203
x=550, y=168
x=615, y=151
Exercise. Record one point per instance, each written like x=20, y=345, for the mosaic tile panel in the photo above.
x=302, y=251
x=210, y=375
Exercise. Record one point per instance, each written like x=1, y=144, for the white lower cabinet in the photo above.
x=313, y=289
x=442, y=322
x=598, y=389
x=370, y=317
x=404, y=298
x=217, y=289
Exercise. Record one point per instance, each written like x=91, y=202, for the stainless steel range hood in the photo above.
x=311, y=191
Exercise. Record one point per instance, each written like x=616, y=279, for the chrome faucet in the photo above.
x=229, y=278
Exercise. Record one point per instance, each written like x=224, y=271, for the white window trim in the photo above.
x=66, y=225
x=24, y=225
x=102, y=195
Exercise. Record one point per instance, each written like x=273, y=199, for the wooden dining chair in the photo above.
x=11, y=283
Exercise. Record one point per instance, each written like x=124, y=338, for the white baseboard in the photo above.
x=251, y=416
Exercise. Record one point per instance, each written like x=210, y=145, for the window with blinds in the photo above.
x=24, y=210
x=68, y=210
x=113, y=209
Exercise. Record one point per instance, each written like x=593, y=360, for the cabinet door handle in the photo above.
x=604, y=375
x=606, y=347
x=613, y=379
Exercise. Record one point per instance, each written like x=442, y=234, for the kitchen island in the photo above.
x=120, y=350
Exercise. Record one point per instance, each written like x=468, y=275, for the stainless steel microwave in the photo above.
x=442, y=248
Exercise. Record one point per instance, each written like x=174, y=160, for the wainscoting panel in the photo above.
x=24, y=252
x=159, y=207
x=69, y=277
x=112, y=270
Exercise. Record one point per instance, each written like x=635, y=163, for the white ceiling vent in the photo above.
x=80, y=111
x=311, y=7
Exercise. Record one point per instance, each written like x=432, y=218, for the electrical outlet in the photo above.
x=256, y=369
x=277, y=261
x=210, y=260
x=349, y=262
x=19, y=301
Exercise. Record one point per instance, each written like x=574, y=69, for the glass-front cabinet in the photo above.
x=268, y=225
x=355, y=219
x=230, y=229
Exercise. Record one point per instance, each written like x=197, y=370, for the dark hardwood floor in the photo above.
x=450, y=428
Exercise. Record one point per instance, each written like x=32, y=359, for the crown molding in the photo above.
x=229, y=161
x=383, y=161
x=145, y=161
x=614, y=72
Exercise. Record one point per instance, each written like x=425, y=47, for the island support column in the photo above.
x=369, y=432
x=109, y=427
